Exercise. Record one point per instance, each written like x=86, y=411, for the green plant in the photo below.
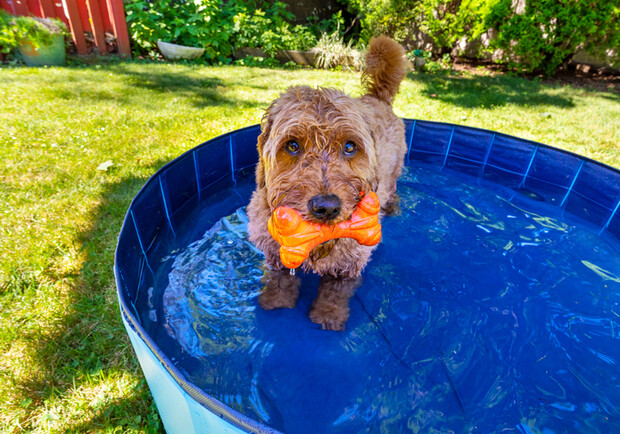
x=333, y=52
x=335, y=23
x=423, y=61
x=546, y=33
x=533, y=35
x=389, y=17
x=447, y=22
x=8, y=32
x=219, y=26
x=443, y=64
x=270, y=30
x=206, y=24
x=443, y=21
x=36, y=31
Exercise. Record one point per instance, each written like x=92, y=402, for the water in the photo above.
x=481, y=310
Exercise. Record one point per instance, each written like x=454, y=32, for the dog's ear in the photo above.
x=272, y=112
x=262, y=140
x=260, y=167
x=374, y=182
x=264, y=135
x=260, y=174
x=373, y=178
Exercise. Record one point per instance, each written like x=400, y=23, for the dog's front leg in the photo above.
x=280, y=290
x=331, y=307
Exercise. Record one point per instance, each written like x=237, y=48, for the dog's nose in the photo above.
x=325, y=206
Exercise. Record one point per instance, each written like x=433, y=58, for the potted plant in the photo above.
x=43, y=42
x=39, y=41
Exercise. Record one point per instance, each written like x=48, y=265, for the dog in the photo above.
x=319, y=151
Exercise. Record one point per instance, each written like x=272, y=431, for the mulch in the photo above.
x=576, y=75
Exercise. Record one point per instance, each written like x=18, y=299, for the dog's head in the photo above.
x=317, y=154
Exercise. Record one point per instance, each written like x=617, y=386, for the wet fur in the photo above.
x=321, y=121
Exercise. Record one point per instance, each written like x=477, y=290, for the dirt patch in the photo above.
x=584, y=76
x=576, y=75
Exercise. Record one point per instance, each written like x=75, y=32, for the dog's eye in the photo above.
x=292, y=147
x=349, y=148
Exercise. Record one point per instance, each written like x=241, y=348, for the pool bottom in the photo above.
x=478, y=311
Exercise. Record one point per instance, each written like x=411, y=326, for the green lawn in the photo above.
x=66, y=362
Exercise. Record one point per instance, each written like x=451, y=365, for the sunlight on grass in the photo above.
x=67, y=363
x=577, y=120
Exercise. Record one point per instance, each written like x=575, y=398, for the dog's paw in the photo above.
x=281, y=290
x=392, y=206
x=272, y=298
x=329, y=319
x=333, y=326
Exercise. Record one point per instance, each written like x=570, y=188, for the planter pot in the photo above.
x=300, y=57
x=240, y=53
x=177, y=52
x=308, y=58
x=45, y=55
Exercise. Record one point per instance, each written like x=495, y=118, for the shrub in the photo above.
x=533, y=35
x=8, y=32
x=271, y=30
x=546, y=33
x=439, y=23
x=447, y=22
x=206, y=24
x=336, y=23
x=219, y=26
x=389, y=17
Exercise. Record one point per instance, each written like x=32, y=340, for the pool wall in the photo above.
x=582, y=189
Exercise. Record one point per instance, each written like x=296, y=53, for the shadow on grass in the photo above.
x=201, y=91
x=615, y=96
x=489, y=91
x=87, y=357
x=154, y=86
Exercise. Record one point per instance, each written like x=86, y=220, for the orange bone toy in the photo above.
x=298, y=237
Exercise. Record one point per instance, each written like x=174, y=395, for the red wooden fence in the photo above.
x=88, y=20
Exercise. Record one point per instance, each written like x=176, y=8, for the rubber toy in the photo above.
x=297, y=237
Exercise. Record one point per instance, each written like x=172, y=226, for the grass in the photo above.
x=66, y=362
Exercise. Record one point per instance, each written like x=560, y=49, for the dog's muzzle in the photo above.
x=325, y=206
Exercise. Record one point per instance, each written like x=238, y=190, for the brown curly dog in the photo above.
x=319, y=149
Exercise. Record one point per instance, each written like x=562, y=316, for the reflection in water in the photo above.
x=476, y=313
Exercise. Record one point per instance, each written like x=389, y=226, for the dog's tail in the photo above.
x=386, y=66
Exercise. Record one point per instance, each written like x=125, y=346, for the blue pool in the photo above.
x=492, y=302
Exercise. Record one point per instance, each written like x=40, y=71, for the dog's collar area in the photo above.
x=323, y=250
